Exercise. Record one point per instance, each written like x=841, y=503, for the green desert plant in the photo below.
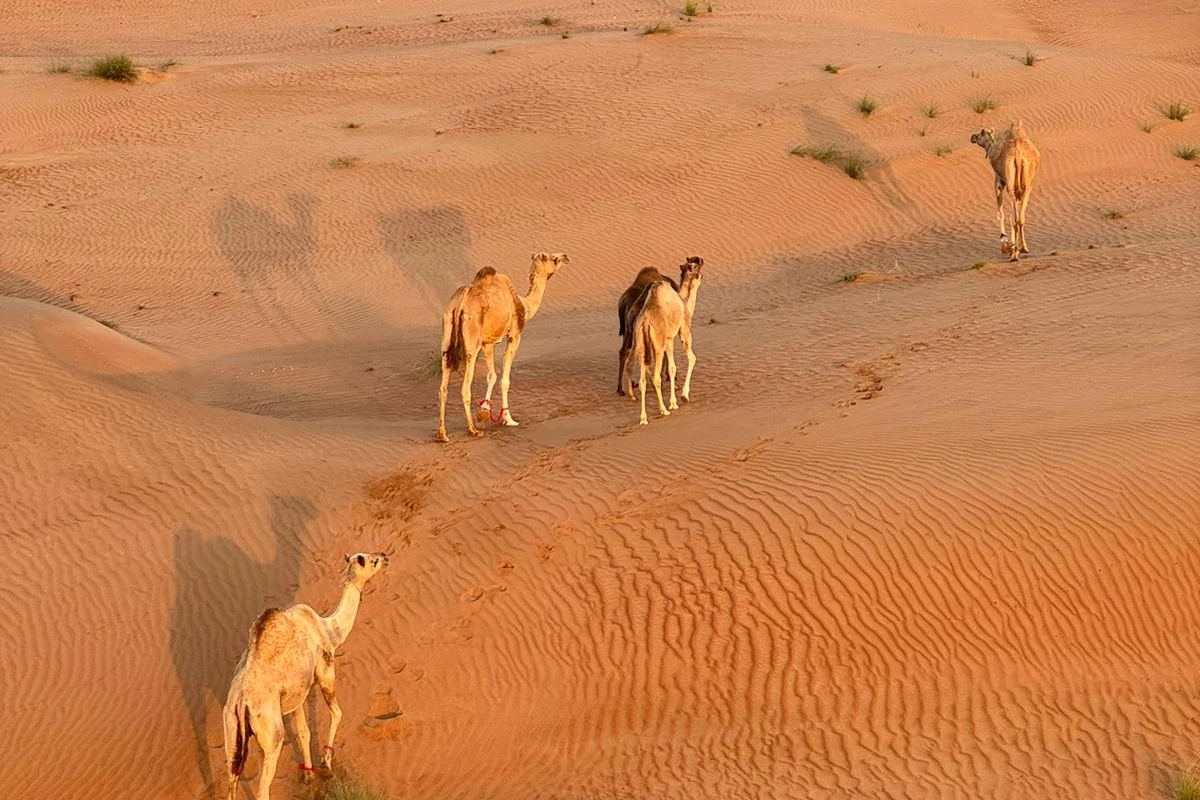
x=1114, y=214
x=867, y=105
x=853, y=166
x=1177, y=110
x=352, y=126
x=832, y=69
x=60, y=68
x=657, y=28
x=1147, y=127
x=343, y=788
x=549, y=21
x=931, y=111
x=943, y=150
x=1187, y=152
x=1187, y=784
x=690, y=9
x=117, y=68
x=164, y=66
x=344, y=162
x=849, y=163
x=849, y=277
x=979, y=265
x=982, y=104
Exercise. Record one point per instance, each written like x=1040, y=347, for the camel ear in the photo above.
x=347, y=558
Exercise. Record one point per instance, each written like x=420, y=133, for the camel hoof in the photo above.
x=442, y=437
x=686, y=399
x=474, y=432
x=666, y=413
x=674, y=406
x=511, y=423
x=643, y=421
x=620, y=391
x=1024, y=249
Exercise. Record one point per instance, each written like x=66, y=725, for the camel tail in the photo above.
x=241, y=741
x=645, y=345
x=456, y=352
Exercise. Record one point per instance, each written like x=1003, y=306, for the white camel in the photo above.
x=289, y=650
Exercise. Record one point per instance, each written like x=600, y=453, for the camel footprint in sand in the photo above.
x=289, y=650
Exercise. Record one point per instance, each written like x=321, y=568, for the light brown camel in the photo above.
x=631, y=303
x=289, y=650
x=1014, y=160
x=477, y=317
x=664, y=315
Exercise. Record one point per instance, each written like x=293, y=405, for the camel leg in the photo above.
x=671, y=374
x=642, y=389
x=1014, y=242
x=691, y=362
x=442, y=390
x=271, y=740
x=623, y=361
x=325, y=679
x=300, y=715
x=1004, y=241
x=489, y=356
x=658, y=365
x=468, y=377
x=1022, y=204
x=510, y=352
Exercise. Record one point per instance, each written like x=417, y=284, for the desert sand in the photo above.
x=929, y=533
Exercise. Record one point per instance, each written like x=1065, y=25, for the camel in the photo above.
x=664, y=315
x=476, y=318
x=631, y=302
x=1014, y=160
x=289, y=650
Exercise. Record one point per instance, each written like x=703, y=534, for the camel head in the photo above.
x=546, y=264
x=361, y=567
x=984, y=138
x=692, y=265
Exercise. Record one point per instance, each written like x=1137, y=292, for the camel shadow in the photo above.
x=431, y=246
x=266, y=254
x=220, y=591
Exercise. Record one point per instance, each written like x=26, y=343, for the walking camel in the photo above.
x=664, y=315
x=631, y=303
x=476, y=318
x=289, y=650
x=1014, y=160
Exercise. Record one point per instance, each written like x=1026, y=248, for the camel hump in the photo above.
x=485, y=272
x=260, y=624
x=648, y=274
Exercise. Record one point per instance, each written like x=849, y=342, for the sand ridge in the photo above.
x=925, y=530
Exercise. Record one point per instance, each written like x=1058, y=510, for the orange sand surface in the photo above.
x=927, y=534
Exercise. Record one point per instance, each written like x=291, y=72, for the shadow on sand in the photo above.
x=220, y=590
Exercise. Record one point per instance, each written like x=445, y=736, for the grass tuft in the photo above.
x=1147, y=127
x=1030, y=59
x=931, y=111
x=117, y=68
x=867, y=105
x=849, y=277
x=1114, y=214
x=832, y=69
x=853, y=166
x=549, y=21
x=60, y=68
x=1187, y=152
x=1187, y=784
x=982, y=104
x=691, y=9
x=849, y=163
x=164, y=66
x=1177, y=110
x=979, y=265
x=656, y=28
x=943, y=150
x=348, y=789
x=344, y=162
x=351, y=126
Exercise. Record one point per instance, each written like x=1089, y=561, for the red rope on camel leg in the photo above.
x=307, y=769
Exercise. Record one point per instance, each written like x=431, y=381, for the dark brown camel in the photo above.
x=631, y=302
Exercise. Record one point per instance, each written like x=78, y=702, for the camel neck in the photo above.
x=342, y=618
x=533, y=300
x=687, y=293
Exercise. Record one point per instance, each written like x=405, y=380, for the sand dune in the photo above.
x=927, y=533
